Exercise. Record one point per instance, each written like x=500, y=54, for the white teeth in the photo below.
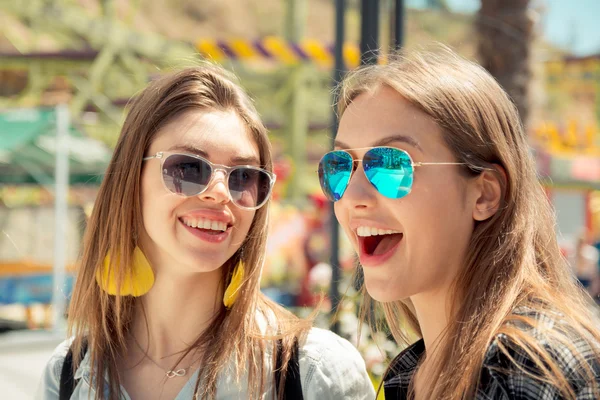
x=366, y=231
x=204, y=223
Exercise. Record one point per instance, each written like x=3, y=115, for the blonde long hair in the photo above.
x=104, y=320
x=513, y=259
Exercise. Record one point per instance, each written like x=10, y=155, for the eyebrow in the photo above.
x=250, y=160
x=386, y=141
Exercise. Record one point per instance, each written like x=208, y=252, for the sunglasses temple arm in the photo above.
x=420, y=164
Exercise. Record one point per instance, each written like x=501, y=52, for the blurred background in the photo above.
x=69, y=67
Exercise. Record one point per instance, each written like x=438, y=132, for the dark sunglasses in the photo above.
x=189, y=175
x=388, y=169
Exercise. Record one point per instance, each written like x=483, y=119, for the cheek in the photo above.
x=148, y=196
x=151, y=186
x=441, y=194
x=244, y=222
x=341, y=215
x=158, y=205
x=439, y=218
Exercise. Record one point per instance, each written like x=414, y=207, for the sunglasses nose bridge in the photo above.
x=217, y=188
x=358, y=186
x=224, y=174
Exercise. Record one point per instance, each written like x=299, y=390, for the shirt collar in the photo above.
x=403, y=367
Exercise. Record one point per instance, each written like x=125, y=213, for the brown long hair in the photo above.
x=513, y=260
x=104, y=320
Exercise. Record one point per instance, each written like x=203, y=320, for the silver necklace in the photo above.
x=172, y=373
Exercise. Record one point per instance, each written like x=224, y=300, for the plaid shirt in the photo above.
x=500, y=378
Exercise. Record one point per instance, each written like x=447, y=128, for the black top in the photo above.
x=500, y=378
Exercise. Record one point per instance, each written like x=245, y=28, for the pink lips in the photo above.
x=214, y=215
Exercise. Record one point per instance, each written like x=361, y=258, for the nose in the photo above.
x=359, y=193
x=217, y=190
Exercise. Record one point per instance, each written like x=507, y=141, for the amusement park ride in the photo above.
x=103, y=62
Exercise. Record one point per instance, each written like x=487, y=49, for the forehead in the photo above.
x=221, y=135
x=371, y=118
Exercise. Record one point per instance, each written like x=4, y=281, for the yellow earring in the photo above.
x=233, y=290
x=136, y=284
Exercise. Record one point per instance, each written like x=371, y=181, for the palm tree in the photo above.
x=505, y=29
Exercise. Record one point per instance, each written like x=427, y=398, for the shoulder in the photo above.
x=55, y=364
x=50, y=380
x=332, y=368
x=511, y=370
x=319, y=342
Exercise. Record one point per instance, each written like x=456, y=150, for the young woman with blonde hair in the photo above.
x=435, y=186
x=167, y=302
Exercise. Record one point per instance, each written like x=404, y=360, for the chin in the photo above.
x=384, y=291
x=378, y=294
x=203, y=262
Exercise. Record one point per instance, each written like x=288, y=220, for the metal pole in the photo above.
x=296, y=107
x=295, y=20
x=369, y=32
x=369, y=53
x=61, y=179
x=338, y=74
x=399, y=25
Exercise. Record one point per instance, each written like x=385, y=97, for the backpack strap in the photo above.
x=293, y=383
x=67, y=380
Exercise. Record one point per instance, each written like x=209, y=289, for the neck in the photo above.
x=432, y=313
x=176, y=311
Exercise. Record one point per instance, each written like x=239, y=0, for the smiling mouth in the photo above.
x=206, y=226
x=380, y=244
x=209, y=231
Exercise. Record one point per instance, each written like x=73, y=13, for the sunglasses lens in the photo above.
x=249, y=187
x=185, y=175
x=390, y=170
x=335, y=170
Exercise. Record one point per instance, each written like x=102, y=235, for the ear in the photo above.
x=490, y=188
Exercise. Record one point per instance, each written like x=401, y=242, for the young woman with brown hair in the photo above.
x=167, y=302
x=434, y=184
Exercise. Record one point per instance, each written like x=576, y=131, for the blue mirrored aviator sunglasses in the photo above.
x=390, y=170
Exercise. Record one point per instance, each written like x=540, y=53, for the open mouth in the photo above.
x=380, y=244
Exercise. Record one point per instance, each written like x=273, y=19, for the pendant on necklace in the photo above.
x=179, y=372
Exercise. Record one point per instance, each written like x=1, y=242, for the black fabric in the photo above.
x=397, y=379
x=293, y=383
x=514, y=376
x=67, y=380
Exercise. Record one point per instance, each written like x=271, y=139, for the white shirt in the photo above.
x=330, y=369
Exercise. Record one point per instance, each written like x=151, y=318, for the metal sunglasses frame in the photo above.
x=412, y=163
